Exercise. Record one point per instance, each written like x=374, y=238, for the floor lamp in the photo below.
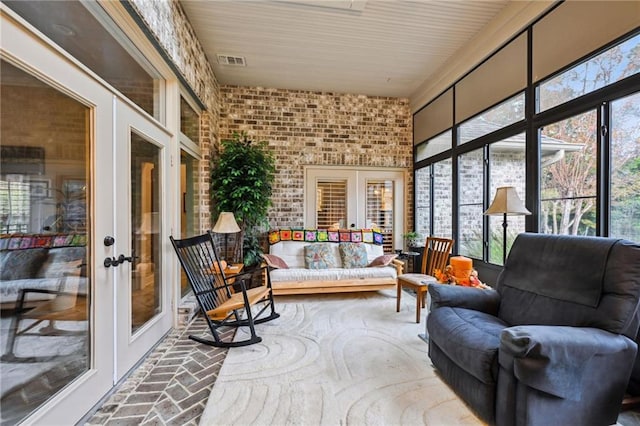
x=226, y=225
x=506, y=202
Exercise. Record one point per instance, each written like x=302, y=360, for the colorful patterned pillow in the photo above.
x=354, y=255
x=383, y=260
x=274, y=261
x=319, y=256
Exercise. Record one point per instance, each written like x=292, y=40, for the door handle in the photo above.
x=122, y=258
x=115, y=261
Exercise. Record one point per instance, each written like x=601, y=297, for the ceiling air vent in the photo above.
x=237, y=61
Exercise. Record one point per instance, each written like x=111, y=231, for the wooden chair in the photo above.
x=214, y=290
x=435, y=256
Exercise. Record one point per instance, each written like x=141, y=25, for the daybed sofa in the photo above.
x=553, y=343
x=42, y=262
x=335, y=261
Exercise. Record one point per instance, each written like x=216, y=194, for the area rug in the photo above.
x=343, y=359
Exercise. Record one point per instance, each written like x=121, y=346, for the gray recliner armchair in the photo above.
x=553, y=343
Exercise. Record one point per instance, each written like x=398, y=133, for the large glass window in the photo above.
x=423, y=201
x=73, y=26
x=568, y=181
x=434, y=146
x=508, y=112
x=602, y=70
x=625, y=168
x=507, y=165
x=470, y=203
x=442, y=199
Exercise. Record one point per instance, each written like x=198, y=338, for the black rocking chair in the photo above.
x=221, y=304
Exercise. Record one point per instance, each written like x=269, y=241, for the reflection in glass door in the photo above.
x=145, y=272
x=45, y=257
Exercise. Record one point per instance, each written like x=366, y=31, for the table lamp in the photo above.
x=506, y=202
x=226, y=225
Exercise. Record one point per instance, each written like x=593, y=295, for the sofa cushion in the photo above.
x=469, y=338
x=21, y=264
x=274, y=261
x=332, y=274
x=353, y=255
x=383, y=260
x=319, y=256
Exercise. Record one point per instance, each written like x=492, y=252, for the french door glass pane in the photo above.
x=145, y=236
x=470, y=207
x=568, y=176
x=379, y=209
x=44, y=240
x=507, y=165
x=625, y=171
x=442, y=203
x=331, y=204
x=189, y=223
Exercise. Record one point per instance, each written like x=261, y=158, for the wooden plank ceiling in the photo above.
x=371, y=47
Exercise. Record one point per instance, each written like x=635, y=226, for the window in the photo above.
x=118, y=61
x=507, y=166
x=189, y=121
x=423, y=201
x=15, y=213
x=434, y=146
x=568, y=181
x=442, y=199
x=602, y=70
x=625, y=168
x=502, y=115
x=470, y=203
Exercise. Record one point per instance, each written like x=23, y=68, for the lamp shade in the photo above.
x=507, y=201
x=226, y=224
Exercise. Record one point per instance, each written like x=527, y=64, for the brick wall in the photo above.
x=172, y=30
x=311, y=128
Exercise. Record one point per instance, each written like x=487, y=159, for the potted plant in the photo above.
x=414, y=239
x=242, y=182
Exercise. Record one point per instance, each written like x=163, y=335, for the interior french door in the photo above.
x=338, y=197
x=142, y=295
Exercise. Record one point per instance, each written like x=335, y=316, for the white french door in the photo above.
x=79, y=194
x=143, y=295
x=337, y=197
x=104, y=184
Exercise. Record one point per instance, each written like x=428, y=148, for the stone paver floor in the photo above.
x=171, y=386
